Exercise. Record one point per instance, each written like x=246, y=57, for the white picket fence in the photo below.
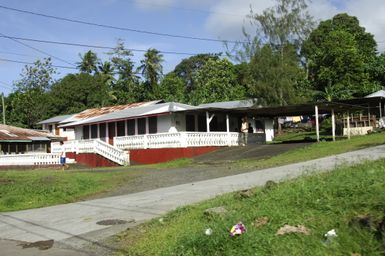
x=178, y=140
x=29, y=159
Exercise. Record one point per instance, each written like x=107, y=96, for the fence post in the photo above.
x=145, y=141
x=183, y=139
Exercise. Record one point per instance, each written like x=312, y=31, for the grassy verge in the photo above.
x=319, y=202
x=316, y=150
x=39, y=188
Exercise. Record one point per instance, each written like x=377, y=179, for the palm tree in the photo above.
x=151, y=67
x=88, y=62
x=106, y=70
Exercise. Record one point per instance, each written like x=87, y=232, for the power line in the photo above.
x=116, y=27
x=187, y=9
x=91, y=46
x=5, y=85
x=17, y=54
x=55, y=66
x=30, y=63
x=26, y=45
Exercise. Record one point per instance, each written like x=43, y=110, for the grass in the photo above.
x=319, y=202
x=316, y=150
x=39, y=188
x=26, y=189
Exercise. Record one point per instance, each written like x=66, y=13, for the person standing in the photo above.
x=63, y=156
x=244, y=130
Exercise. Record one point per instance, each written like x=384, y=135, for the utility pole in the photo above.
x=2, y=100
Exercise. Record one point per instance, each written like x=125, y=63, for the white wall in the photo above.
x=78, y=132
x=164, y=123
x=180, y=122
x=69, y=133
x=269, y=130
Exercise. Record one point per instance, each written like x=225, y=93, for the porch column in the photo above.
x=125, y=127
x=333, y=126
x=379, y=107
x=106, y=141
x=98, y=130
x=316, y=122
x=227, y=123
x=348, y=124
x=208, y=120
x=89, y=132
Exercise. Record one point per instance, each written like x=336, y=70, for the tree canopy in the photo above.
x=339, y=54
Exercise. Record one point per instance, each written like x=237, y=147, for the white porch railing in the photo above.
x=94, y=146
x=30, y=159
x=178, y=140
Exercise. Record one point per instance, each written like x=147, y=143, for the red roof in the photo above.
x=93, y=112
x=10, y=133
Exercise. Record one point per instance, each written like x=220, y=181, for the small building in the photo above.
x=15, y=140
x=51, y=125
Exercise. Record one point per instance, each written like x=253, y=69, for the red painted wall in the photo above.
x=91, y=159
x=159, y=155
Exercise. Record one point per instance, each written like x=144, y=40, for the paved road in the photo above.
x=74, y=228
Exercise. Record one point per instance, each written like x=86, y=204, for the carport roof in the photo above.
x=307, y=109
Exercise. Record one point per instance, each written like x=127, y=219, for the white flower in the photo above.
x=208, y=232
x=331, y=233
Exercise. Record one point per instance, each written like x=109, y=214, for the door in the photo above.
x=111, y=133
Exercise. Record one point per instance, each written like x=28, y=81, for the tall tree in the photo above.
x=151, y=68
x=339, y=54
x=216, y=81
x=279, y=31
x=188, y=68
x=88, y=62
x=172, y=88
x=29, y=103
x=126, y=87
x=76, y=92
x=274, y=80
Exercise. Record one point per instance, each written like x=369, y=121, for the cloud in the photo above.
x=227, y=18
x=154, y=4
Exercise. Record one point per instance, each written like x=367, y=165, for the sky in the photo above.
x=215, y=19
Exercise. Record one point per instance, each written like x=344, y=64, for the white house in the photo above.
x=160, y=126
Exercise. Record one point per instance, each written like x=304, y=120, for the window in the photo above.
x=131, y=127
x=94, y=131
x=152, y=124
x=142, y=126
x=121, y=128
x=190, y=123
x=102, y=131
x=202, y=127
x=86, y=132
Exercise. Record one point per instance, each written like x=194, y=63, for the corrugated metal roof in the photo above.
x=231, y=104
x=380, y=93
x=12, y=133
x=55, y=119
x=95, y=112
x=135, y=112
